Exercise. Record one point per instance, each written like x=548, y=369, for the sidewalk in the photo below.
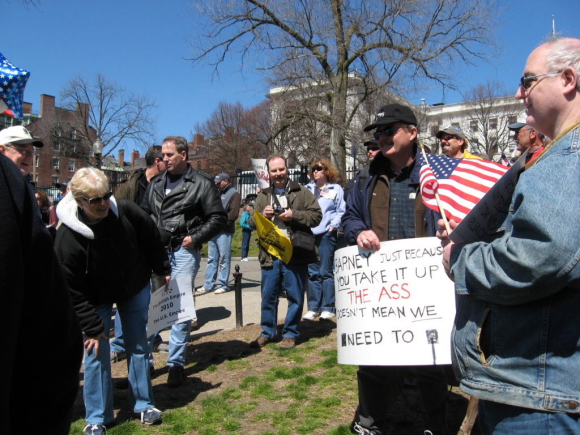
x=218, y=312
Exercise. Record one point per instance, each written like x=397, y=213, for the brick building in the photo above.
x=66, y=145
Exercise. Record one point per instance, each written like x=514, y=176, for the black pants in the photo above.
x=379, y=387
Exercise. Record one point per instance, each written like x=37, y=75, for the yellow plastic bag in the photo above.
x=272, y=239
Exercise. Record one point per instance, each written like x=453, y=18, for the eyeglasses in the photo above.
x=390, y=131
x=317, y=168
x=448, y=137
x=373, y=148
x=526, y=81
x=99, y=199
x=23, y=151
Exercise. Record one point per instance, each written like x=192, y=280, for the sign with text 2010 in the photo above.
x=394, y=306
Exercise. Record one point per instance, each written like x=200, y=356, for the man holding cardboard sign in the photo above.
x=389, y=207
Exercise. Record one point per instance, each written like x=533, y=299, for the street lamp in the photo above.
x=98, y=151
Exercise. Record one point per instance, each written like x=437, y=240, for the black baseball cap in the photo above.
x=392, y=113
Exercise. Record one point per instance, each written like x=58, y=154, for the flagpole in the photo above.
x=437, y=198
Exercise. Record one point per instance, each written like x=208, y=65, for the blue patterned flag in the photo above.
x=460, y=183
x=12, y=83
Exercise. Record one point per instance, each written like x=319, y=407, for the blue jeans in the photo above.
x=499, y=419
x=321, y=276
x=118, y=344
x=98, y=389
x=246, y=235
x=183, y=262
x=219, y=254
x=293, y=279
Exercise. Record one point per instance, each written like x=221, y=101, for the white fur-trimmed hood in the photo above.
x=67, y=211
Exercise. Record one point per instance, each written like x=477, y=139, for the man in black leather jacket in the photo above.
x=188, y=211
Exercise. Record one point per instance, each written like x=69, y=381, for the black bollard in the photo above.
x=238, y=290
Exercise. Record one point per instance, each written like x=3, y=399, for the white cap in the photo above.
x=18, y=135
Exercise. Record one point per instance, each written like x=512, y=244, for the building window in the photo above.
x=473, y=127
x=55, y=164
x=512, y=119
x=455, y=124
x=36, y=178
x=73, y=133
x=36, y=161
x=71, y=165
x=493, y=124
x=57, y=146
x=199, y=165
x=54, y=179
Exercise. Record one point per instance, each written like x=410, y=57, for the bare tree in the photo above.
x=113, y=114
x=490, y=109
x=236, y=135
x=342, y=52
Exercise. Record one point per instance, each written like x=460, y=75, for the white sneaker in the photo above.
x=245, y=259
x=201, y=291
x=327, y=315
x=219, y=291
x=311, y=315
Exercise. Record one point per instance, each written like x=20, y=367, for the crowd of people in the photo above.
x=515, y=345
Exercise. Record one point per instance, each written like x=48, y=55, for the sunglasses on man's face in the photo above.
x=99, y=199
x=526, y=81
x=317, y=168
x=389, y=131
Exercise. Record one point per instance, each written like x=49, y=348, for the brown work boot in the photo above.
x=259, y=342
x=287, y=343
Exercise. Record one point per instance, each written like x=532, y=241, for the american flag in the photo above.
x=461, y=183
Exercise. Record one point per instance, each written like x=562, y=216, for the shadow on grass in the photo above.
x=200, y=356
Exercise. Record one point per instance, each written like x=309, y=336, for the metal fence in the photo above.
x=245, y=182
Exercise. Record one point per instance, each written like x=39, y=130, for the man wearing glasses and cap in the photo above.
x=454, y=143
x=527, y=138
x=18, y=144
x=389, y=207
x=373, y=149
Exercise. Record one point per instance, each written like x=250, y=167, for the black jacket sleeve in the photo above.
x=148, y=237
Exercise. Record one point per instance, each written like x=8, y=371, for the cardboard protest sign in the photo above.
x=171, y=306
x=482, y=222
x=261, y=170
x=394, y=306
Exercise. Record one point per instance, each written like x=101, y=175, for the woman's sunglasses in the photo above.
x=99, y=199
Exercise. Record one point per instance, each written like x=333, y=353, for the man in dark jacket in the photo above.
x=134, y=188
x=291, y=207
x=389, y=207
x=39, y=375
x=188, y=211
x=219, y=254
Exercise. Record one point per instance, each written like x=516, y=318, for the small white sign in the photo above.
x=394, y=306
x=171, y=305
x=262, y=174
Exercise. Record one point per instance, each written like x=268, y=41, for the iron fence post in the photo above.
x=238, y=290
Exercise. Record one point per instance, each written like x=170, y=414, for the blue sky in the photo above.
x=142, y=46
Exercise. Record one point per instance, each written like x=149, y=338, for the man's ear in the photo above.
x=2, y=149
x=570, y=76
x=414, y=131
